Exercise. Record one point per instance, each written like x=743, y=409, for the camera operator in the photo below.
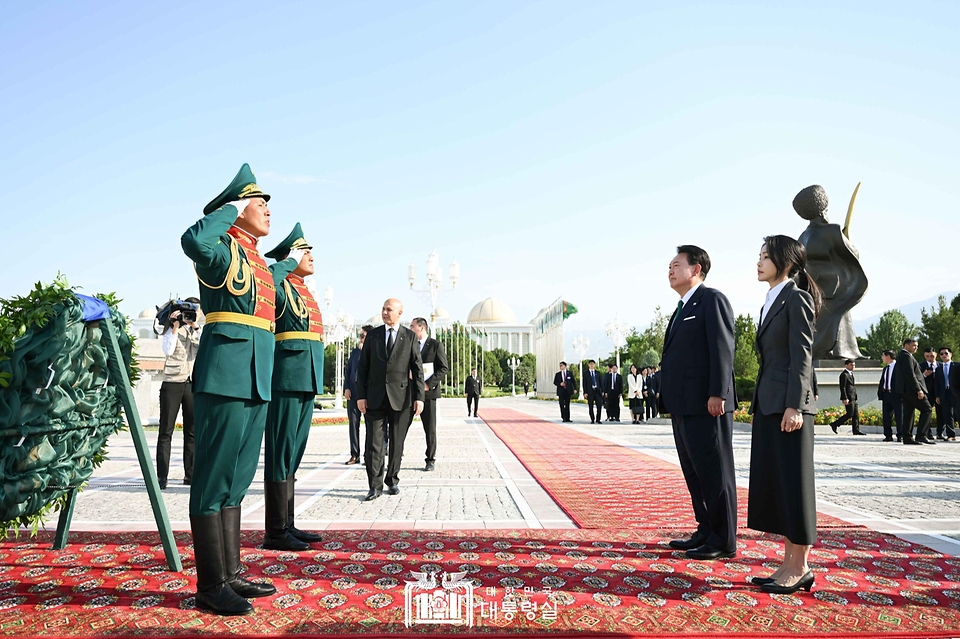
x=181, y=338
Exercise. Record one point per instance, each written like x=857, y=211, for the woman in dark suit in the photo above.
x=782, y=495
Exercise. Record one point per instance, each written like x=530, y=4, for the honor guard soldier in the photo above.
x=232, y=375
x=297, y=380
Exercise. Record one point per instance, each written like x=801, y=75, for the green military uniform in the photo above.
x=297, y=380
x=232, y=388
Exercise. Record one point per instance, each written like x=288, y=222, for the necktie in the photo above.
x=613, y=379
x=390, y=342
x=675, y=314
x=886, y=379
x=946, y=374
x=593, y=377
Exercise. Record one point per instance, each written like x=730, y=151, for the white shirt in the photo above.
x=396, y=331
x=693, y=289
x=422, y=342
x=771, y=298
x=888, y=376
x=946, y=373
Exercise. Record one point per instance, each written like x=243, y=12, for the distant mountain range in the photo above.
x=911, y=310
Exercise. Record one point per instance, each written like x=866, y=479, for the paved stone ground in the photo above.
x=910, y=491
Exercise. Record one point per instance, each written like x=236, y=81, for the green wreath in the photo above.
x=58, y=404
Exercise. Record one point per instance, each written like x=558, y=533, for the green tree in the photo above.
x=330, y=367
x=639, y=343
x=746, y=362
x=940, y=326
x=492, y=371
x=650, y=358
x=888, y=333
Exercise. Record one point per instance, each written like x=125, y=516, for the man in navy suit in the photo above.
x=563, y=380
x=613, y=392
x=349, y=392
x=593, y=390
x=947, y=383
x=697, y=389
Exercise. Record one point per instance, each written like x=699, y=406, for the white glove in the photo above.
x=296, y=254
x=240, y=204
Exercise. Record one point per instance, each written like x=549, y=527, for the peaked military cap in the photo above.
x=293, y=241
x=243, y=186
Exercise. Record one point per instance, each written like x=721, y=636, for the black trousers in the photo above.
x=397, y=422
x=173, y=397
x=892, y=411
x=614, y=402
x=852, y=415
x=595, y=398
x=947, y=414
x=353, y=415
x=705, y=447
x=471, y=397
x=651, y=403
x=429, y=419
x=564, y=407
x=913, y=403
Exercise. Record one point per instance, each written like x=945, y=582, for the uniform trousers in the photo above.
x=229, y=432
x=288, y=428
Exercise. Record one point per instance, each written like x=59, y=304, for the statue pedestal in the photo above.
x=867, y=374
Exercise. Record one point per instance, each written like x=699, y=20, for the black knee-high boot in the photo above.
x=306, y=537
x=276, y=536
x=231, y=557
x=214, y=594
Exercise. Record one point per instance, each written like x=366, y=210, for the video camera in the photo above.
x=188, y=313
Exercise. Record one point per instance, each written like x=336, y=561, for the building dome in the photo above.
x=491, y=311
x=148, y=313
x=441, y=314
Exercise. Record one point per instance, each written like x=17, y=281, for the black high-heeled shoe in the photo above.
x=804, y=583
x=759, y=581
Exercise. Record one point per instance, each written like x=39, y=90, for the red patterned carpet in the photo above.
x=616, y=580
x=600, y=484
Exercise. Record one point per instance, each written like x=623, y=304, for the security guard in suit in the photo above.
x=297, y=380
x=232, y=375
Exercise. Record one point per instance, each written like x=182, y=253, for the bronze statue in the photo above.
x=834, y=264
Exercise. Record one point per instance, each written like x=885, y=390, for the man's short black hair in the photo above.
x=590, y=361
x=192, y=300
x=366, y=328
x=849, y=361
x=422, y=323
x=563, y=363
x=696, y=255
x=946, y=348
x=930, y=349
x=890, y=354
x=909, y=340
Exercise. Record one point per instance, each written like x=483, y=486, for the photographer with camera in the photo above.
x=181, y=338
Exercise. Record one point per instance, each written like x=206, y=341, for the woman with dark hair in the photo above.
x=635, y=393
x=782, y=495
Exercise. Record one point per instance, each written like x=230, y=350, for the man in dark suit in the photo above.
x=434, y=360
x=389, y=362
x=653, y=385
x=593, y=390
x=908, y=382
x=928, y=367
x=563, y=380
x=697, y=389
x=613, y=392
x=891, y=402
x=947, y=381
x=848, y=397
x=349, y=391
x=472, y=390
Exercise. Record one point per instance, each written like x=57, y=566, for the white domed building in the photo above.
x=499, y=328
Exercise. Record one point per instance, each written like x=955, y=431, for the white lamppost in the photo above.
x=328, y=295
x=514, y=363
x=580, y=345
x=434, y=279
x=617, y=332
x=341, y=329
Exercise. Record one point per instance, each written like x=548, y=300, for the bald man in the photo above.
x=389, y=362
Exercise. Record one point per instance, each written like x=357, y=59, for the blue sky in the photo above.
x=552, y=148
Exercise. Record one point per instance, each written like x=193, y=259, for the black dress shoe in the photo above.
x=707, y=552
x=888, y=439
x=911, y=442
x=928, y=441
x=373, y=494
x=428, y=467
x=834, y=427
x=393, y=490
x=688, y=544
x=860, y=433
x=804, y=583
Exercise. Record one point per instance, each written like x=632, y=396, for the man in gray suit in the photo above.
x=389, y=362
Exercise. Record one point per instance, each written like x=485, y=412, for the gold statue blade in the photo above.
x=853, y=199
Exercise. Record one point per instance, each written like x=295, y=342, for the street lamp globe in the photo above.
x=454, y=273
